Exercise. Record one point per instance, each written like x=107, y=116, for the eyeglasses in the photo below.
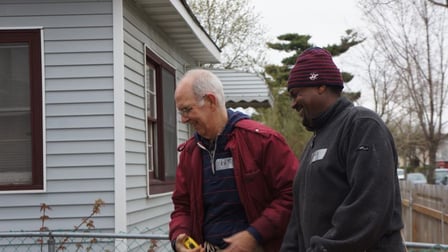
x=184, y=111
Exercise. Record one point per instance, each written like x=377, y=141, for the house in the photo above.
x=442, y=155
x=87, y=110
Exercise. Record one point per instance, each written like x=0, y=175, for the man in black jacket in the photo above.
x=346, y=193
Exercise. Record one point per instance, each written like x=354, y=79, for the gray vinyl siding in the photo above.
x=79, y=119
x=79, y=115
x=150, y=213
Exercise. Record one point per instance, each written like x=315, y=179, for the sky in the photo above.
x=324, y=20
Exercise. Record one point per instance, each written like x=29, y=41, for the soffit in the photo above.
x=176, y=19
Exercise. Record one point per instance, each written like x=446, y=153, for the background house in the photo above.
x=87, y=110
x=442, y=155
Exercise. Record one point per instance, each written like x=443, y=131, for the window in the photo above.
x=161, y=132
x=151, y=117
x=21, y=156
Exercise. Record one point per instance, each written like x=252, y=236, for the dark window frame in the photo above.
x=158, y=182
x=33, y=38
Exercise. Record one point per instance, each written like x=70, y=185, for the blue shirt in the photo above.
x=224, y=213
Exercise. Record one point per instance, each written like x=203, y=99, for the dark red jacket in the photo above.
x=264, y=168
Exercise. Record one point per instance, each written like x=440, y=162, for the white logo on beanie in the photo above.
x=313, y=76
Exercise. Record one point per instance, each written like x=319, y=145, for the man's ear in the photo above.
x=322, y=89
x=211, y=98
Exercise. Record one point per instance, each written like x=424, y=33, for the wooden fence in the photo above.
x=425, y=212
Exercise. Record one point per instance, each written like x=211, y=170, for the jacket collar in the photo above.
x=323, y=119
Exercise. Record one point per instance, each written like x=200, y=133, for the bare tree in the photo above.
x=410, y=36
x=235, y=28
x=439, y=3
x=383, y=86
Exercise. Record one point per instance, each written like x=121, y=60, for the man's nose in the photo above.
x=294, y=104
x=184, y=119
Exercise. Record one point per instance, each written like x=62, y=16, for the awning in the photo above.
x=243, y=89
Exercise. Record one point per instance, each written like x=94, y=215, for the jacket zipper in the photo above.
x=211, y=154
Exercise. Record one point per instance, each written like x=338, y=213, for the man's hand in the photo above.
x=241, y=242
x=180, y=245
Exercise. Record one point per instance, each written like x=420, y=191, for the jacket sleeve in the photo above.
x=367, y=211
x=270, y=167
x=180, y=217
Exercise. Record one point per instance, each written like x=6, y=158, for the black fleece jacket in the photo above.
x=346, y=193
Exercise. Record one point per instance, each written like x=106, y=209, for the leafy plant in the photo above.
x=86, y=221
x=152, y=246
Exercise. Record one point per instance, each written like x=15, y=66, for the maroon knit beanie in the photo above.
x=314, y=67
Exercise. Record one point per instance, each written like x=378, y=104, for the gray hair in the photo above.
x=205, y=82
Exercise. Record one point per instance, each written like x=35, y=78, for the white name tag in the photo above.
x=224, y=164
x=318, y=155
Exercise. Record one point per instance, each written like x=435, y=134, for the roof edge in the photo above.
x=187, y=14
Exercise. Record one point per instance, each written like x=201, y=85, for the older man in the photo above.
x=234, y=178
